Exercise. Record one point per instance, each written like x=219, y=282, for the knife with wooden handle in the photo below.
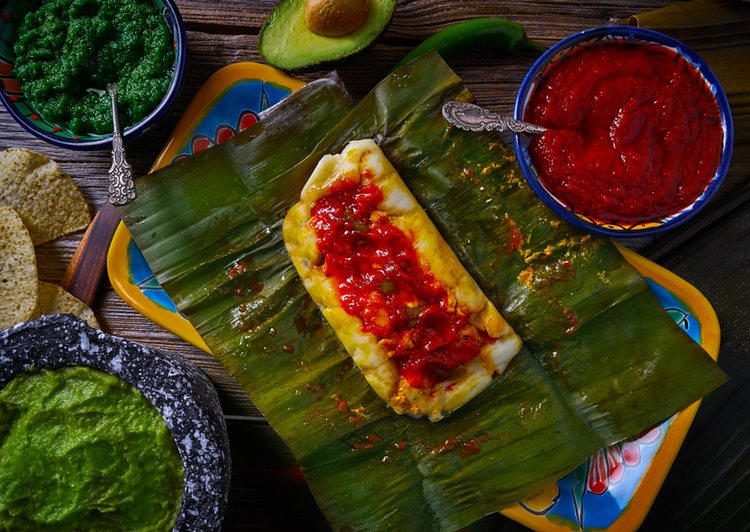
x=84, y=273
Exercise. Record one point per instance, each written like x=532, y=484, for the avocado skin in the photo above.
x=285, y=41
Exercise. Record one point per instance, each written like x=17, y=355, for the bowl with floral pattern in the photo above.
x=12, y=96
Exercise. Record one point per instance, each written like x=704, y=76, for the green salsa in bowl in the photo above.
x=100, y=433
x=81, y=449
x=57, y=57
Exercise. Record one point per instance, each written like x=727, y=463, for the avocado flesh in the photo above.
x=287, y=43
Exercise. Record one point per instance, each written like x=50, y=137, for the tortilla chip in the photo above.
x=53, y=299
x=18, y=277
x=45, y=197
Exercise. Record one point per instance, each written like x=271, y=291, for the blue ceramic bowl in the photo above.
x=636, y=35
x=12, y=13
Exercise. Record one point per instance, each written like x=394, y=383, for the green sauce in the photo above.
x=82, y=450
x=68, y=46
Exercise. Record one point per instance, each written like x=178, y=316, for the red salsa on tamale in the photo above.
x=413, y=320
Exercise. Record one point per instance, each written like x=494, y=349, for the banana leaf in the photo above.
x=601, y=361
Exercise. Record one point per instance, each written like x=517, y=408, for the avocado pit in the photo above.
x=336, y=18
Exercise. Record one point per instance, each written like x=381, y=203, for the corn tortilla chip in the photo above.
x=45, y=197
x=18, y=276
x=53, y=299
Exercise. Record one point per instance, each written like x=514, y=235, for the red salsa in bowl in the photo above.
x=637, y=137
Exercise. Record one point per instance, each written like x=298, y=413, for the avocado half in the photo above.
x=287, y=43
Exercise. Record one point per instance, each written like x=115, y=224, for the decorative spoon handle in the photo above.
x=121, y=186
x=474, y=118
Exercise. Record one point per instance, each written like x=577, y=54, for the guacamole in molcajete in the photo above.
x=83, y=450
x=66, y=48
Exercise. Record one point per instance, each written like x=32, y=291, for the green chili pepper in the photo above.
x=494, y=34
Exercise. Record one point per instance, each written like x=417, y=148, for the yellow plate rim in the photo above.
x=117, y=258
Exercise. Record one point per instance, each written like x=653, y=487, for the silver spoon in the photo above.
x=474, y=118
x=121, y=186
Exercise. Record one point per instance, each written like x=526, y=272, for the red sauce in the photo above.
x=381, y=281
x=636, y=132
x=446, y=447
x=238, y=269
x=471, y=447
x=368, y=443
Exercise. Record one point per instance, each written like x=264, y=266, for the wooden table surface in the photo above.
x=709, y=485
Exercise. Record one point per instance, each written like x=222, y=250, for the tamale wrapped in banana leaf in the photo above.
x=418, y=327
x=601, y=362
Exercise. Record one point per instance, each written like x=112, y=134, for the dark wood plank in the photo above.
x=415, y=20
x=267, y=492
x=709, y=483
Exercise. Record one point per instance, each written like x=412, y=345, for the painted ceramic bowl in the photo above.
x=12, y=14
x=643, y=226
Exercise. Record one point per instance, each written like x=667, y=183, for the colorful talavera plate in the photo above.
x=614, y=489
x=228, y=102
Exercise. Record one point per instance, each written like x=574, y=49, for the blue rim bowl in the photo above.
x=637, y=35
x=20, y=109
